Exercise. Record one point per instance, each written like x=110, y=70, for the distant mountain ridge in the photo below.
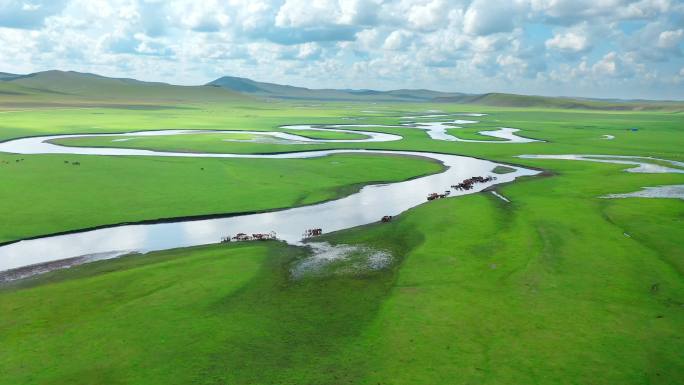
x=278, y=91
x=522, y=101
x=6, y=76
x=281, y=91
x=68, y=88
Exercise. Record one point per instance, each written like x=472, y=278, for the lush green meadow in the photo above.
x=568, y=131
x=209, y=142
x=109, y=190
x=557, y=287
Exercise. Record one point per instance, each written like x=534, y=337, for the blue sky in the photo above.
x=592, y=48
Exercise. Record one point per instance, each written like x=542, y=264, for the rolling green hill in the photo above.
x=7, y=76
x=55, y=88
x=513, y=100
x=76, y=89
x=271, y=90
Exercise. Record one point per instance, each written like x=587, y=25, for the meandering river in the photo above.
x=642, y=164
x=31, y=256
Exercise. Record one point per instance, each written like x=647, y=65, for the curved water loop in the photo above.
x=438, y=130
x=642, y=164
x=367, y=206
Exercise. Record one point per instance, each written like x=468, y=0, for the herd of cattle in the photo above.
x=240, y=237
x=464, y=185
x=243, y=237
x=470, y=182
x=434, y=196
x=313, y=232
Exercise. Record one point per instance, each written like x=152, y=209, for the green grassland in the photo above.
x=217, y=143
x=557, y=287
x=328, y=135
x=472, y=133
x=547, y=289
x=566, y=131
x=106, y=190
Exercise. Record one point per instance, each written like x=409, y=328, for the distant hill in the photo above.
x=84, y=89
x=513, y=100
x=6, y=76
x=279, y=91
x=68, y=88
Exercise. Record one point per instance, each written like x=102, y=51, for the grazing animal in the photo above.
x=469, y=183
x=241, y=237
x=313, y=232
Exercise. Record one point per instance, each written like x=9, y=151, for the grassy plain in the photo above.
x=472, y=133
x=559, y=286
x=328, y=135
x=567, y=131
x=546, y=289
x=110, y=190
x=216, y=143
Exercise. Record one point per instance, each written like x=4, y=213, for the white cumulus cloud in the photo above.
x=569, y=42
x=397, y=40
x=485, y=17
x=534, y=46
x=670, y=39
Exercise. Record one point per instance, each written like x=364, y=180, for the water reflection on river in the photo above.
x=366, y=206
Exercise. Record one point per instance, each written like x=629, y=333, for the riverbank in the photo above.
x=503, y=287
x=366, y=206
x=557, y=286
x=90, y=195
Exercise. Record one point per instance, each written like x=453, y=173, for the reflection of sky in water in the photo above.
x=41, y=145
x=367, y=206
x=676, y=191
x=642, y=165
x=641, y=162
x=438, y=131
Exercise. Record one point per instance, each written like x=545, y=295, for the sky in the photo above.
x=592, y=48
